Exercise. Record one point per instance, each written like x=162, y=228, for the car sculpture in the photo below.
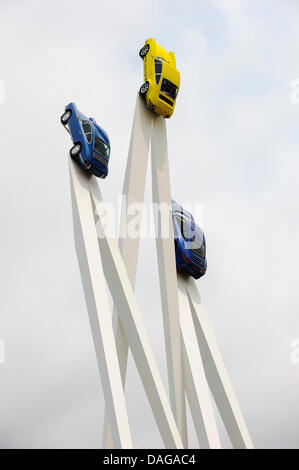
x=91, y=147
x=161, y=78
x=190, y=244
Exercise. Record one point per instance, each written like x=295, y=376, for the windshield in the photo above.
x=169, y=89
x=101, y=147
x=199, y=248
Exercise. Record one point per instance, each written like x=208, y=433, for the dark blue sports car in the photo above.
x=91, y=147
x=190, y=244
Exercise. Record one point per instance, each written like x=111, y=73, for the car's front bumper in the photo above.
x=161, y=105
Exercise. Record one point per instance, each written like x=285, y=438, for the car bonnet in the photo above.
x=99, y=132
x=171, y=73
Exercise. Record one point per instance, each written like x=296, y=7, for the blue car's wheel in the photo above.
x=75, y=151
x=144, y=50
x=66, y=116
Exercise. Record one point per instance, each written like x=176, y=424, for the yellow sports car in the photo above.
x=161, y=78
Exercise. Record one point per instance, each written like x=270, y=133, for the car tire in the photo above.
x=75, y=151
x=65, y=117
x=143, y=51
x=144, y=88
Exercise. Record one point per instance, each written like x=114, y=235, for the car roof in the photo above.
x=98, y=131
x=176, y=207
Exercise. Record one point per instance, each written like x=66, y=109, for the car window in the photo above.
x=158, y=69
x=87, y=130
x=101, y=147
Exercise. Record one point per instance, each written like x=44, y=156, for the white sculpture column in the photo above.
x=167, y=272
x=194, y=362
x=94, y=285
x=216, y=373
x=133, y=192
x=104, y=263
x=134, y=186
x=196, y=386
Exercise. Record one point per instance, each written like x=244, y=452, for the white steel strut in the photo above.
x=194, y=362
x=99, y=258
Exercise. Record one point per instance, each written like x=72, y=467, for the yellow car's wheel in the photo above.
x=144, y=89
x=144, y=50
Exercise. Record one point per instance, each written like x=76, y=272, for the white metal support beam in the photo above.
x=196, y=386
x=167, y=272
x=194, y=362
x=133, y=192
x=94, y=285
x=124, y=299
x=216, y=373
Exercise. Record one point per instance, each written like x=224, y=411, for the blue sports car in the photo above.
x=91, y=147
x=190, y=244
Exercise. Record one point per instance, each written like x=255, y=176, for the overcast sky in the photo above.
x=233, y=146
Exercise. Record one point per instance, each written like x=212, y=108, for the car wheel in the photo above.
x=75, y=150
x=143, y=51
x=65, y=117
x=144, y=88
